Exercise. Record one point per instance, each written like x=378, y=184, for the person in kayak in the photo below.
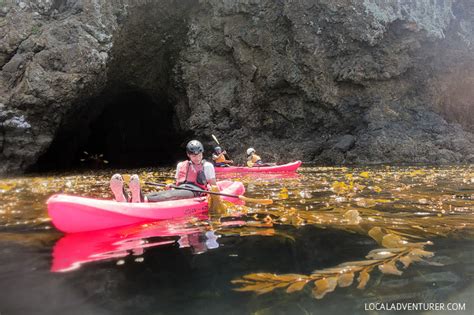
x=195, y=173
x=254, y=160
x=219, y=158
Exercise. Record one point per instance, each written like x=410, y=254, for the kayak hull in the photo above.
x=289, y=167
x=72, y=214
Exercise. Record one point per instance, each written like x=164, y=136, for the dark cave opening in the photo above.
x=132, y=122
x=124, y=129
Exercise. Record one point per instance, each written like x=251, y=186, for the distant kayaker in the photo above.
x=219, y=158
x=254, y=160
x=195, y=173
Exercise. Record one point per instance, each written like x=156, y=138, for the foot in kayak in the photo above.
x=116, y=185
x=135, y=189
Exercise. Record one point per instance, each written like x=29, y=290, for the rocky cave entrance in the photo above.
x=132, y=129
x=132, y=123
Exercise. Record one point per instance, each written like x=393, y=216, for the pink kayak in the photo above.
x=71, y=214
x=290, y=167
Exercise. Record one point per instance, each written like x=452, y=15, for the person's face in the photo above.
x=195, y=158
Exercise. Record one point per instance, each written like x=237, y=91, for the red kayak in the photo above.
x=71, y=214
x=290, y=167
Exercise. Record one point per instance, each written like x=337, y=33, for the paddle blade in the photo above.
x=256, y=200
x=215, y=139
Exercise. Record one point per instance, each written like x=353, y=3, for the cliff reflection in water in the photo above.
x=380, y=233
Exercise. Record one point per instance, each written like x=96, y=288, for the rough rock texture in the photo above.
x=329, y=81
x=52, y=54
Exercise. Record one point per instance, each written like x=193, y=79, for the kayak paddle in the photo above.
x=217, y=141
x=243, y=198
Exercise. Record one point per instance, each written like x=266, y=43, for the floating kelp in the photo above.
x=398, y=249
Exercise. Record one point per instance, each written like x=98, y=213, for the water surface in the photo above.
x=321, y=217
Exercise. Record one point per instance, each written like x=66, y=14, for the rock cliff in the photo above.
x=327, y=81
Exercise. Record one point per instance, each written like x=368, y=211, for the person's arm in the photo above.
x=210, y=174
x=249, y=161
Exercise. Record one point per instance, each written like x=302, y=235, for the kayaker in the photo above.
x=254, y=160
x=219, y=158
x=194, y=173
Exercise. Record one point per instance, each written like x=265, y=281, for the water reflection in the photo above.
x=74, y=250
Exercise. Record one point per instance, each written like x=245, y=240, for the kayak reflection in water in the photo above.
x=195, y=173
x=219, y=158
x=254, y=160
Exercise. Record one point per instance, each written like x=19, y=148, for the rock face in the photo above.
x=328, y=81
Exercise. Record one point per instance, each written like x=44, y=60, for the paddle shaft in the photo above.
x=195, y=190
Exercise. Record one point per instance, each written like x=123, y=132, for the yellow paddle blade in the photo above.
x=256, y=200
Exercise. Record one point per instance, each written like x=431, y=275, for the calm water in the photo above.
x=321, y=218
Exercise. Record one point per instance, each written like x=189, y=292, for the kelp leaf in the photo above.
x=283, y=193
x=392, y=250
x=359, y=263
x=392, y=240
x=289, y=277
x=271, y=287
x=6, y=187
x=404, y=234
x=297, y=286
x=383, y=200
x=377, y=234
x=363, y=278
x=334, y=270
x=323, y=286
x=416, y=173
x=379, y=255
x=390, y=268
x=339, y=187
x=406, y=261
x=366, y=203
x=345, y=279
x=421, y=253
x=259, y=276
x=377, y=189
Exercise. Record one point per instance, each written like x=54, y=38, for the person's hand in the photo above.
x=224, y=152
x=168, y=186
x=231, y=161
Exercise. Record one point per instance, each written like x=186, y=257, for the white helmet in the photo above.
x=250, y=151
